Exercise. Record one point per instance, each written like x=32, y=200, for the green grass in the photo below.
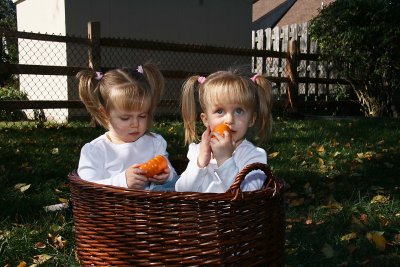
x=342, y=177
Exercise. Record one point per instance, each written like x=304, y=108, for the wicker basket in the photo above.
x=125, y=227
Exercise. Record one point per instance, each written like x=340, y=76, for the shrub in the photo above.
x=10, y=93
x=360, y=38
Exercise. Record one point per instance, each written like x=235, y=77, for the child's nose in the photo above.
x=229, y=118
x=134, y=122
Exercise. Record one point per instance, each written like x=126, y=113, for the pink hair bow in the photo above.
x=140, y=69
x=201, y=79
x=99, y=75
x=255, y=77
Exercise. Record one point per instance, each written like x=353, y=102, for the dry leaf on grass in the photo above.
x=42, y=258
x=22, y=187
x=273, y=155
x=21, y=264
x=349, y=237
x=40, y=245
x=377, y=239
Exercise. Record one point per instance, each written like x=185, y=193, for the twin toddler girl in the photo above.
x=123, y=101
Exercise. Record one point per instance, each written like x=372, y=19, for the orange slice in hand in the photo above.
x=154, y=166
x=221, y=128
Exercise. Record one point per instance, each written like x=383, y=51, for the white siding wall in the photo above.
x=43, y=16
x=211, y=22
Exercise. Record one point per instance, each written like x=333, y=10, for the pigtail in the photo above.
x=189, y=108
x=156, y=82
x=264, y=111
x=89, y=94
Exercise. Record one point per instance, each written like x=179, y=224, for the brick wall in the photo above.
x=301, y=11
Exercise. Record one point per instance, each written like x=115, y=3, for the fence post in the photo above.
x=291, y=69
x=94, y=45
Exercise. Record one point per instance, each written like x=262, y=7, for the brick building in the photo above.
x=271, y=13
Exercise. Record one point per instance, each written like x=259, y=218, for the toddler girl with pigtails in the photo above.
x=239, y=102
x=123, y=101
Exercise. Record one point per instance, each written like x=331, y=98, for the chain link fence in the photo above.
x=41, y=85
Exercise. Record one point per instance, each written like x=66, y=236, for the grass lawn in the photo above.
x=343, y=199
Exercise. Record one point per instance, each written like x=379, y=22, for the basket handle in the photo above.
x=269, y=182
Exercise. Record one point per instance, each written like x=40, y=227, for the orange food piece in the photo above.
x=221, y=128
x=154, y=166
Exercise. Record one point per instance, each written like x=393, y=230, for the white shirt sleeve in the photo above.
x=91, y=167
x=193, y=178
x=218, y=179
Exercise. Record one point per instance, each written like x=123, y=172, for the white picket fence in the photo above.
x=278, y=39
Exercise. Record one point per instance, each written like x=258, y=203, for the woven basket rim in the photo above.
x=274, y=191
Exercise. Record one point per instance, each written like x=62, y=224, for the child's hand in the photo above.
x=205, y=149
x=161, y=178
x=135, y=177
x=222, y=147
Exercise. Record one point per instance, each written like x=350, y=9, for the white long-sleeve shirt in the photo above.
x=104, y=162
x=214, y=179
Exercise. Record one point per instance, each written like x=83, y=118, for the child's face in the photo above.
x=127, y=126
x=236, y=116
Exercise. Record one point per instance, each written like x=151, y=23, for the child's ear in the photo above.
x=204, y=118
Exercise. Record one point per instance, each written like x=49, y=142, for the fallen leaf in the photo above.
x=63, y=200
x=19, y=185
x=22, y=264
x=56, y=207
x=383, y=221
x=40, y=245
x=55, y=151
x=57, y=241
x=22, y=187
x=381, y=199
x=334, y=143
x=348, y=237
x=377, y=239
x=320, y=149
x=42, y=258
x=273, y=155
x=55, y=227
x=367, y=155
x=335, y=154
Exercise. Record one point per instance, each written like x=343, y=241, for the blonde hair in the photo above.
x=227, y=87
x=123, y=89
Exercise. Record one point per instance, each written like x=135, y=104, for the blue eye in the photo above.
x=239, y=111
x=219, y=111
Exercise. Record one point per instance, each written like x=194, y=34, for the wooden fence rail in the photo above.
x=288, y=75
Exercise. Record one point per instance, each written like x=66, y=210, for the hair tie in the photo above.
x=140, y=69
x=201, y=79
x=255, y=77
x=99, y=75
